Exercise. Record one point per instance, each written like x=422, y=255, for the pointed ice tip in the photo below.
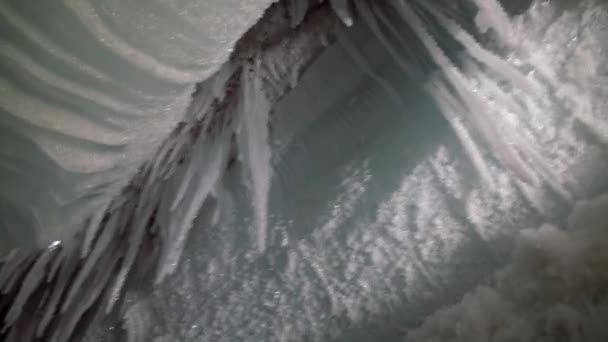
x=53, y=245
x=342, y=10
x=347, y=21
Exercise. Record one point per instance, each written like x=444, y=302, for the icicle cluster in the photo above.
x=477, y=90
x=142, y=233
x=54, y=294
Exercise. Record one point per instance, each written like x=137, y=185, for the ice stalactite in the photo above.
x=455, y=114
x=490, y=90
x=254, y=111
x=358, y=58
x=468, y=105
x=93, y=224
x=473, y=114
x=30, y=282
x=480, y=112
x=297, y=11
x=206, y=167
x=69, y=283
x=484, y=56
x=343, y=11
x=203, y=154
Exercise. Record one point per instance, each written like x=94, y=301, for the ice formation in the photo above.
x=254, y=143
x=387, y=222
x=553, y=288
x=369, y=271
x=82, y=111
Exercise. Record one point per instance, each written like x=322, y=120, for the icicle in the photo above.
x=180, y=141
x=10, y=262
x=509, y=73
x=162, y=158
x=185, y=184
x=69, y=257
x=29, y=284
x=524, y=145
x=297, y=11
x=147, y=203
x=218, y=89
x=454, y=114
x=505, y=152
x=492, y=15
x=54, y=267
x=366, y=13
x=210, y=90
x=481, y=54
x=16, y=270
x=95, y=288
x=342, y=10
x=359, y=59
x=109, y=231
x=400, y=35
x=254, y=143
x=208, y=162
x=91, y=230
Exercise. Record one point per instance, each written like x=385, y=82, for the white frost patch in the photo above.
x=492, y=15
x=549, y=291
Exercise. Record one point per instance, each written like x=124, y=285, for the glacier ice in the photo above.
x=86, y=109
x=379, y=120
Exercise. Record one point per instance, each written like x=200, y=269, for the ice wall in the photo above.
x=89, y=91
x=375, y=216
x=378, y=215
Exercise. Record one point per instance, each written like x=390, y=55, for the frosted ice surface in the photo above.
x=97, y=102
x=208, y=163
x=546, y=289
x=396, y=222
x=378, y=216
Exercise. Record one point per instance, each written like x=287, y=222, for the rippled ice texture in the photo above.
x=379, y=223
x=88, y=91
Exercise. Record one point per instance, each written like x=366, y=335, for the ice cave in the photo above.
x=304, y=170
